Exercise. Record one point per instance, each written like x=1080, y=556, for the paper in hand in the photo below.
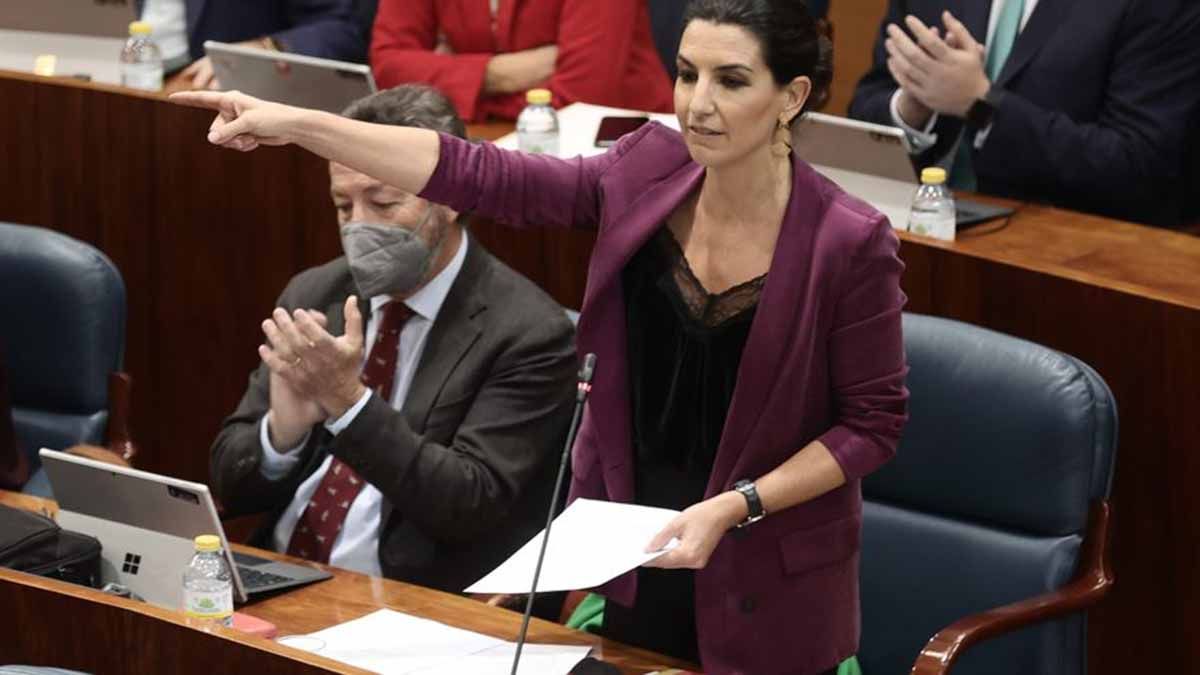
x=591, y=542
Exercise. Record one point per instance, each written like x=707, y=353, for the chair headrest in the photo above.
x=63, y=332
x=1001, y=431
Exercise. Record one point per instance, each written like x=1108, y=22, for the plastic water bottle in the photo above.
x=208, y=583
x=932, y=211
x=141, y=59
x=537, y=125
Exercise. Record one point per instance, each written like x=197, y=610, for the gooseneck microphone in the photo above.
x=581, y=393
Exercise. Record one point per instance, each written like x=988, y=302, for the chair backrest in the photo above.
x=986, y=502
x=63, y=304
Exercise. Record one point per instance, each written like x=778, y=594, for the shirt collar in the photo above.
x=428, y=299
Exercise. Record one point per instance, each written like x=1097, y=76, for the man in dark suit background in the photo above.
x=330, y=29
x=434, y=468
x=1079, y=104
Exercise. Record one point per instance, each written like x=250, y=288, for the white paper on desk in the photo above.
x=591, y=542
x=391, y=642
x=535, y=660
x=578, y=124
x=394, y=643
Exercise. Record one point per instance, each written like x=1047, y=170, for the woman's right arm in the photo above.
x=505, y=185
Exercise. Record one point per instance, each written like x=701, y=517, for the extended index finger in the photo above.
x=212, y=100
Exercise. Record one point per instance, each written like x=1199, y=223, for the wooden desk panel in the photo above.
x=106, y=634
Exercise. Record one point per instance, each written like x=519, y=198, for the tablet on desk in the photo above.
x=872, y=162
x=294, y=79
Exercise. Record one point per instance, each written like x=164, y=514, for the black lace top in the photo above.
x=685, y=346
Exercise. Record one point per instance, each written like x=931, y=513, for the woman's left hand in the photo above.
x=699, y=529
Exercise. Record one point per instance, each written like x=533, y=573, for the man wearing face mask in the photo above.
x=411, y=393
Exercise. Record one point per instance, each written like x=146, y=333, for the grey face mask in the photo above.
x=386, y=259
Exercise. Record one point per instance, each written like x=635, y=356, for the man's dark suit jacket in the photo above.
x=1097, y=110
x=324, y=28
x=466, y=465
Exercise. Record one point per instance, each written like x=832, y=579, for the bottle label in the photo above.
x=147, y=76
x=932, y=224
x=209, y=605
x=538, y=142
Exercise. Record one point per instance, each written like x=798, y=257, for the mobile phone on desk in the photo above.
x=612, y=128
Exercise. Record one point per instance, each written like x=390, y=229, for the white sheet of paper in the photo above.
x=577, y=126
x=591, y=542
x=535, y=660
x=386, y=641
x=391, y=642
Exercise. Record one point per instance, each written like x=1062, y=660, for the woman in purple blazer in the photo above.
x=746, y=317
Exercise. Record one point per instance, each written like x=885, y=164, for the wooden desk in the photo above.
x=75, y=627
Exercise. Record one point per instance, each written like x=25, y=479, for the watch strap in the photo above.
x=754, y=504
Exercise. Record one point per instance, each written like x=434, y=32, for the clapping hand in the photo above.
x=322, y=371
x=935, y=74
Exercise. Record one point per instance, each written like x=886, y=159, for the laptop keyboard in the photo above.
x=252, y=578
x=245, y=559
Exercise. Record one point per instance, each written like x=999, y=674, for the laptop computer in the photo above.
x=294, y=79
x=872, y=162
x=146, y=525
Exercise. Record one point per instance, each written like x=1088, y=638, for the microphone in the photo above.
x=581, y=393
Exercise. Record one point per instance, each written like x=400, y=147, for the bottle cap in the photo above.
x=140, y=28
x=208, y=542
x=933, y=175
x=538, y=96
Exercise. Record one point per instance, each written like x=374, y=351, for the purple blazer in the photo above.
x=824, y=361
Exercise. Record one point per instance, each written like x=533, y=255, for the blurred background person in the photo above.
x=485, y=54
x=1081, y=105
x=324, y=28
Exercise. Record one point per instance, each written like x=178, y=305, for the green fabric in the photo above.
x=849, y=667
x=1008, y=24
x=589, y=617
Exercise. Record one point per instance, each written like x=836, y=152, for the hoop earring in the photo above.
x=782, y=147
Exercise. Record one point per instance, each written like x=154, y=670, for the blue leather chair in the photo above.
x=63, y=304
x=991, y=521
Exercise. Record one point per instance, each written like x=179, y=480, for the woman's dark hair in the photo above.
x=792, y=41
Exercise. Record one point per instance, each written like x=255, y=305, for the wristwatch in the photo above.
x=979, y=115
x=757, y=512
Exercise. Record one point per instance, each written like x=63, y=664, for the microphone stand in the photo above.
x=581, y=393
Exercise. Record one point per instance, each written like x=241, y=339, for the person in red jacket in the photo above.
x=485, y=54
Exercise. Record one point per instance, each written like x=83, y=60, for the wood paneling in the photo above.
x=855, y=25
x=204, y=240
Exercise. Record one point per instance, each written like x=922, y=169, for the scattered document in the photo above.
x=577, y=126
x=591, y=543
x=394, y=643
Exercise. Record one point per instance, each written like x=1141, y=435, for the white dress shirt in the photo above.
x=920, y=140
x=357, y=545
x=168, y=19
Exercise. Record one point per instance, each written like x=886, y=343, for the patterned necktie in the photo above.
x=325, y=514
x=1008, y=25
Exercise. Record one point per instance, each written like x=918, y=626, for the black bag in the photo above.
x=30, y=542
